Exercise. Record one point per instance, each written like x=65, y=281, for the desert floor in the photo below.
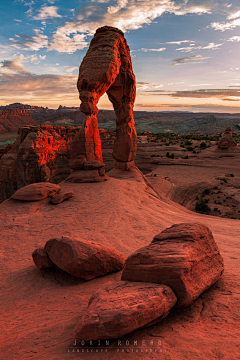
x=40, y=309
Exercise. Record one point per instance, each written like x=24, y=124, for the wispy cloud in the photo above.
x=147, y=50
x=26, y=42
x=196, y=59
x=126, y=15
x=229, y=25
x=16, y=81
x=210, y=46
x=47, y=12
x=234, y=39
x=14, y=65
x=179, y=42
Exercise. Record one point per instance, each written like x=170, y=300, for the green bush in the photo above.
x=203, y=145
x=202, y=207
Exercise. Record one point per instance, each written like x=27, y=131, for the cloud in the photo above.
x=196, y=59
x=47, y=12
x=70, y=69
x=230, y=25
x=234, y=39
x=147, y=50
x=27, y=42
x=210, y=46
x=16, y=81
x=14, y=65
x=234, y=15
x=179, y=42
x=125, y=15
x=207, y=93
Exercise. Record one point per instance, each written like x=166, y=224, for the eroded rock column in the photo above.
x=107, y=68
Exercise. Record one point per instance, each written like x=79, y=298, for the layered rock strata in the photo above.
x=132, y=306
x=107, y=68
x=36, y=192
x=39, y=154
x=83, y=259
x=184, y=257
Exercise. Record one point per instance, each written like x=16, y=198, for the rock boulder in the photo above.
x=227, y=142
x=37, y=191
x=184, y=257
x=123, y=307
x=83, y=259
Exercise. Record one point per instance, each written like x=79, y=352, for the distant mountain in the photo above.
x=12, y=119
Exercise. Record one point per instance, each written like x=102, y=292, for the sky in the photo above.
x=185, y=53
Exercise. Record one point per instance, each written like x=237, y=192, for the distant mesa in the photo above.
x=21, y=106
x=227, y=142
x=12, y=119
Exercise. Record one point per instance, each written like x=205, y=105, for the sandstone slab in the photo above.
x=83, y=259
x=123, y=307
x=36, y=191
x=93, y=165
x=184, y=257
x=42, y=260
x=77, y=163
x=61, y=196
x=86, y=176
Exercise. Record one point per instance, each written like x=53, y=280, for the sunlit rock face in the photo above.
x=39, y=154
x=107, y=68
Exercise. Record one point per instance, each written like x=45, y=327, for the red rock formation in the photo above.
x=11, y=120
x=227, y=142
x=123, y=307
x=107, y=68
x=36, y=192
x=40, y=153
x=61, y=196
x=83, y=259
x=41, y=260
x=184, y=257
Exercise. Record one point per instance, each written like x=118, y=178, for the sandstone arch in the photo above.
x=106, y=68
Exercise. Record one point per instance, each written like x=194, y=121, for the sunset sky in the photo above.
x=185, y=53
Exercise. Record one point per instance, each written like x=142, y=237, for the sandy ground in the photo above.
x=40, y=309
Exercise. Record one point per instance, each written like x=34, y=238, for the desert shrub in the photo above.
x=203, y=145
x=202, y=207
x=206, y=191
x=215, y=209
x=189, y=148
x=186, y=157
x=229, y=175
x=188, y=142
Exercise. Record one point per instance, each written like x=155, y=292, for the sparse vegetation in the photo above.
x=202, y=207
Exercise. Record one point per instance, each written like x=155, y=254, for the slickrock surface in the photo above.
x=122, y=307
x=86, y=176
x=41, y=259
x=227, y=142
x=184, y=257
x=36, y=191
x=83, y=259
x=107, y=68
x=61, y=196
x=123, y=214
